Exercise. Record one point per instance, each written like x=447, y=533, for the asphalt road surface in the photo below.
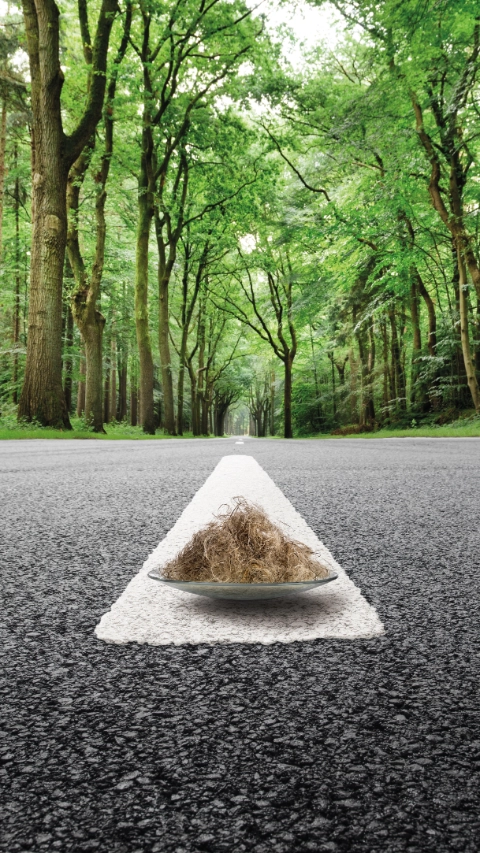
x=365, y=745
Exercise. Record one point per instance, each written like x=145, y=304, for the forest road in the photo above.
x=332, y=745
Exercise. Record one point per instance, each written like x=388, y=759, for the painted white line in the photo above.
x=147, y=612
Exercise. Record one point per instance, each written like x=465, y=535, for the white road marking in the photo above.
x=147, y=612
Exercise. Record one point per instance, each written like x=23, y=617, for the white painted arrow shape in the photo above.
x=148, y=612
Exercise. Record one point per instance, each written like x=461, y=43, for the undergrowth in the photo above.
x=466, y=426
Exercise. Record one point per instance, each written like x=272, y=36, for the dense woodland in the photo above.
x=198, y=237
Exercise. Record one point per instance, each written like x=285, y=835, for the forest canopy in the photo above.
x=210, y=225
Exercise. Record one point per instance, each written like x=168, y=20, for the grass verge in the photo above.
x=458, y=429
x=11, y=429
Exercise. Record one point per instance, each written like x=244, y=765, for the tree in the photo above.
x=203, y=43
x=268, y=301
x=86, y=313
x=53, y=154
x=440, y=79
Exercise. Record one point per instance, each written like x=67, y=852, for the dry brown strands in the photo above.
x=242, y=545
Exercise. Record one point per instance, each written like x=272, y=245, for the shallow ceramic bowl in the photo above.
x=242, y=591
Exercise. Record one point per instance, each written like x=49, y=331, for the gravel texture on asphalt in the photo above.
x=329, y=745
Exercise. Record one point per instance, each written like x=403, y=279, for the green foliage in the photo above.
x=317, y=181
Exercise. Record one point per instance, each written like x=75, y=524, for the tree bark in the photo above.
x=385, y=370
x=432, y=317
x=201, y=407
x=367, y=361
x=416, y=392
x=113, y=378
x=467, y=354
x=122, y=389
x=334, y=396
x=68, y=367
x=272, y=402
x=85, y=301
x=183, y=344
x=16, y=309
x=354, y=415
x=94, y=371
x=181, y=381
x=164, y=347
x=204, y=414
x=167, y=252
x=81, y=384
x=461, y=391
x=88, y=318
x=133, y=404
x=187, y=309
x=53, y=153
x=3, y=142
x=287, y=396
x=397, y=367
x=145, y=216
x=193, y=398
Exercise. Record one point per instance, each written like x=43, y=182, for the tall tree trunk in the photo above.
x=341, y=365
x=287, y=397
x=94, y=371
x=204, y=414
x=417, y=396
x=53, y=153
x=42, y=396
x=219, y=421
x=145, y=216
x=92, y=334
x=385, y=366
x=476, y=328
x=165, y=355
x=3, y=142
x=106, y=393
x=133, y=403
x=183, y=343
x=181, y=381
x=353, y=385
x=397, y=368
x=187, y=309
x=201, y=407
x=122, y=388
x=367, y=361
x=210, y=417
x=193, y=399
x=464, y=332
x=85, y=301
x=370, y=406
x=68, y=367
x=89, y=320
x=334, y=397
x=81, y=383
x=402, y=356
x=16, y=309
x=272, y=402
x=461, y=392
x=432, y=317
x=113, y=378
